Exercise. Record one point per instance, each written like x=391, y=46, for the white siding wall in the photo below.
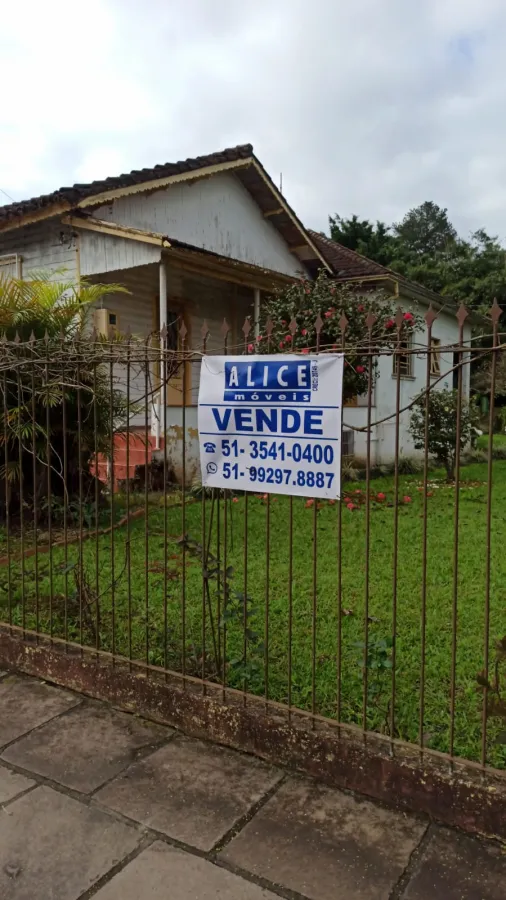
x=215, y=214
x=383, y=435
x=105, y=253
x=40, y=247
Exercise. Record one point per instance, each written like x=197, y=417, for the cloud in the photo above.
x=370, y=107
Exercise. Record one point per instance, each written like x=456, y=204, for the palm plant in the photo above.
x=58, y=402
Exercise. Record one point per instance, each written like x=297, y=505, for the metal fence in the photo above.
x=382, y=611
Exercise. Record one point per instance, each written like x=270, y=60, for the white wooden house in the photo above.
x=203, y=239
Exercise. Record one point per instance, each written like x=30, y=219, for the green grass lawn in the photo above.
x=156, y=627
x=499, y=440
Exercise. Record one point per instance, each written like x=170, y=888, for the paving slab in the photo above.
x=457, y=867
x=26, y=703
x=12, y=784
x=190, y=790
x=163, y=873
x=85, y=748
x=325, y=844
x=52, y=846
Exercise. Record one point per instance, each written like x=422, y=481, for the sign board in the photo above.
x=272, y=423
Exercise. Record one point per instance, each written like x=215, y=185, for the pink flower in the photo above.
x=288, y=338
x=328, y=314
x=304, y=331
x=264, y=496
x=360, y=308
x=281, y=345
x=381, y=497
x=309, y=503
x=251, y=347
x=408, y=317
x=390, y=323
x=235, y=500
x=350, y=506
x=305, y=350
x=360, y=369
x=283, y=321
x=332, y=502
x=406, y=499
x=259, y=338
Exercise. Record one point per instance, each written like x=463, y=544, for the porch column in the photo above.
x=256, y=311
x=163, y=323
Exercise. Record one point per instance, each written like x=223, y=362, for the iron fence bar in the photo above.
x=369, y=322
x=163, y=399
x=128, y=376
x=21, y=500
x=80, y=500
x=314, y=591
x=147, y=447
x=112, y=485
x=34, y=498
x=343, y=324
x=204, y=563
x=395, y=562
x=226, y=495
x=246, y=330
x=183, y=585
x=97, y=507
x=49, y=491
x=495, y=314
x=461, y=316
x=7, y=500
x=429, y=319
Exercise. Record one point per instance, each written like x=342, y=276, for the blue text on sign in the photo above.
x=272, y=376
x=274, y=421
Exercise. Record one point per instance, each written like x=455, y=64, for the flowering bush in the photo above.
x=442, y=414
x=293, y=315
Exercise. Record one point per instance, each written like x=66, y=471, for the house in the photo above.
x=201, y=239
x=348, y=266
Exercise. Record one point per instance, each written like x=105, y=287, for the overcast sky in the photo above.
x=369, y=107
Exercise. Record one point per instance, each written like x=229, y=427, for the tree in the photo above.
x=375, y=241
x=426, y=248
x=294, y=314
x=56, y=399
x=426, y=230
x=442, y=408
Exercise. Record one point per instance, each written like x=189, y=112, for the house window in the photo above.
x=435, y=362
x=403, y=360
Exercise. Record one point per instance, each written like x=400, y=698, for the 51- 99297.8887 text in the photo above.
x=270, y=475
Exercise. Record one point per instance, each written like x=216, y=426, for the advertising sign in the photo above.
x=272, y=423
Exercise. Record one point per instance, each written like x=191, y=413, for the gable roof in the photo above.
x=241, y=160
x=77, y=192
x=348, y=265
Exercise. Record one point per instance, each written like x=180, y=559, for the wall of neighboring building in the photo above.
x=445, y=329
x=215, y=213
x=46, y=245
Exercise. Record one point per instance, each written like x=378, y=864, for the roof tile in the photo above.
x=79, y=191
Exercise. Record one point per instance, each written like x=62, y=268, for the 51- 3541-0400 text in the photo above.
x=271, y=423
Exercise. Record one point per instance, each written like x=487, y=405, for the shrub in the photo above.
x=57, y=404
x=442, y=407
x=291, y=315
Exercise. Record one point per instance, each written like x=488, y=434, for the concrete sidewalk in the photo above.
x=98, y=803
